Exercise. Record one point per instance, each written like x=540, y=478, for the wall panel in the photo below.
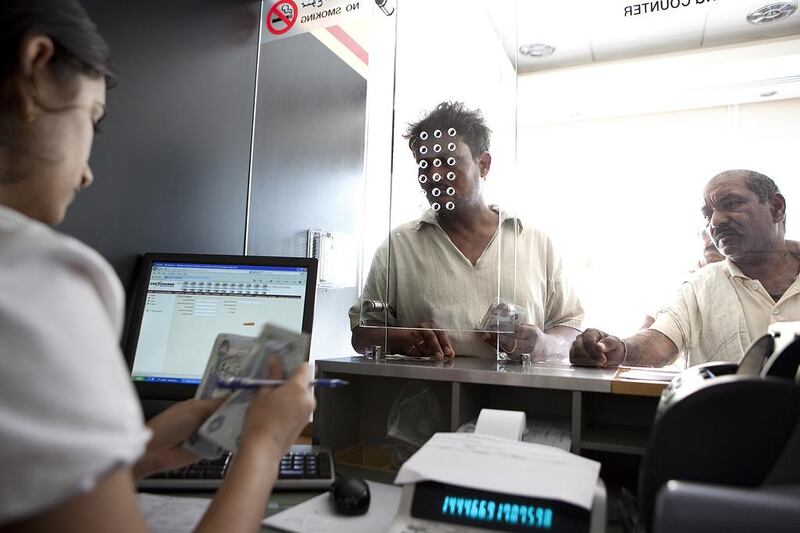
x=171, y=164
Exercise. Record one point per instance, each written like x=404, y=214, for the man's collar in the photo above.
x=429, y=217
x=734, y=270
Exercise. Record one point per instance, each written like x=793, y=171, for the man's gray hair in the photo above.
x=763, y=186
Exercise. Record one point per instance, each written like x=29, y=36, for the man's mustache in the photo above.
x=723, y=230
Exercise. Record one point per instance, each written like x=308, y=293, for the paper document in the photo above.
x=171, y=514
x=501, y=465
x=550, y=431
x=318, y=514
x=647, y=374
x=403, y=357
x=547, y=430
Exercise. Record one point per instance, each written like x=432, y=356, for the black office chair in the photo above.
x=688, y=507
x=784, y=363
x=732, y=432
x=774, y=505
x=718, y=428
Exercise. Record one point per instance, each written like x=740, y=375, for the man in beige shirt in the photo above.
x=438, y=275
x=724, y=306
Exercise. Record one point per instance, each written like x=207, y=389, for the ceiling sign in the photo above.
x=657, y=6
x=285, y=18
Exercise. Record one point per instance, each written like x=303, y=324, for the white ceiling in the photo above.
x=606, y=64
x=591, y=31
x=720, y=76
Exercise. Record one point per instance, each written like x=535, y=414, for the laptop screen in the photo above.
x=181, y=303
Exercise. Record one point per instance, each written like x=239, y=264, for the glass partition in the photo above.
x=620, y=143
x=606, y=127
x=444, y=269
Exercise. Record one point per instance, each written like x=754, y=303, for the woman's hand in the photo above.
x=165, y=450
x=276, y=416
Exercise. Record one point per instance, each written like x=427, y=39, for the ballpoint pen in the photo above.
x=252, y=383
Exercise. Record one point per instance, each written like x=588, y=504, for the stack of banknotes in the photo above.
x=244, y=357
x=502, y=316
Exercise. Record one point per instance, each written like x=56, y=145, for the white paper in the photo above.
x=639, y=374
x=318, y=515
x=403, y=357
x=502, y=465
x=549, y=431
x=172, y=514
x=501, y=423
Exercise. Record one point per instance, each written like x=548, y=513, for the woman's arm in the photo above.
x=109, y=506
x=273, y=422
x=170, y=429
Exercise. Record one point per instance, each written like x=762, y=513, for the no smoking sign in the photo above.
x=281, y=17
x=285, y=18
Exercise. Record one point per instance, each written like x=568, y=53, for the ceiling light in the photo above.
x=771, y=12
x=537, y=50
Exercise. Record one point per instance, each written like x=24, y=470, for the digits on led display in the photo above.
x=487, y=511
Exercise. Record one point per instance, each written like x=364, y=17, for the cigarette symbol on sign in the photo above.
x=281, y=17
x=288, y=13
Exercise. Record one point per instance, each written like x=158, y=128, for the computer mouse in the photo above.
x=350, y=495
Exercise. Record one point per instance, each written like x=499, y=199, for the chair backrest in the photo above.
x=786, y=469
x=783, y=363
x=730, y=432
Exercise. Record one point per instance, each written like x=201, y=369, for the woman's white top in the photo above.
x=68, y=410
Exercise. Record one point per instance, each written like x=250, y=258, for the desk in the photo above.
x=282, y=500
x=604, y=412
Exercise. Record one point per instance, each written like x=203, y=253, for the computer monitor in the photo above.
x=182, y=301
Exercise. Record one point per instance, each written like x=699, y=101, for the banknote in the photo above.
x=199, y=445
x=287, y=348
x=223, y=429
x=229, y=357
x=274, y=345
x=502, y=316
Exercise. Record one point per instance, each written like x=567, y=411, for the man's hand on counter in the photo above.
x=597, y=348
x=427, y=340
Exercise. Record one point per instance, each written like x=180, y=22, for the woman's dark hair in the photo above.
x=79, y=47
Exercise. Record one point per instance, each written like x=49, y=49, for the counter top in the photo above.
x=480, y=371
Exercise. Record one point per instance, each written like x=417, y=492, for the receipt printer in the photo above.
x=457, y=494
x=434, y=507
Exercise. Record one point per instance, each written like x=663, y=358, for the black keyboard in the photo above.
x=305, y=467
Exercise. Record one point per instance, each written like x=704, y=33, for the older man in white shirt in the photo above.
x=724, y=306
